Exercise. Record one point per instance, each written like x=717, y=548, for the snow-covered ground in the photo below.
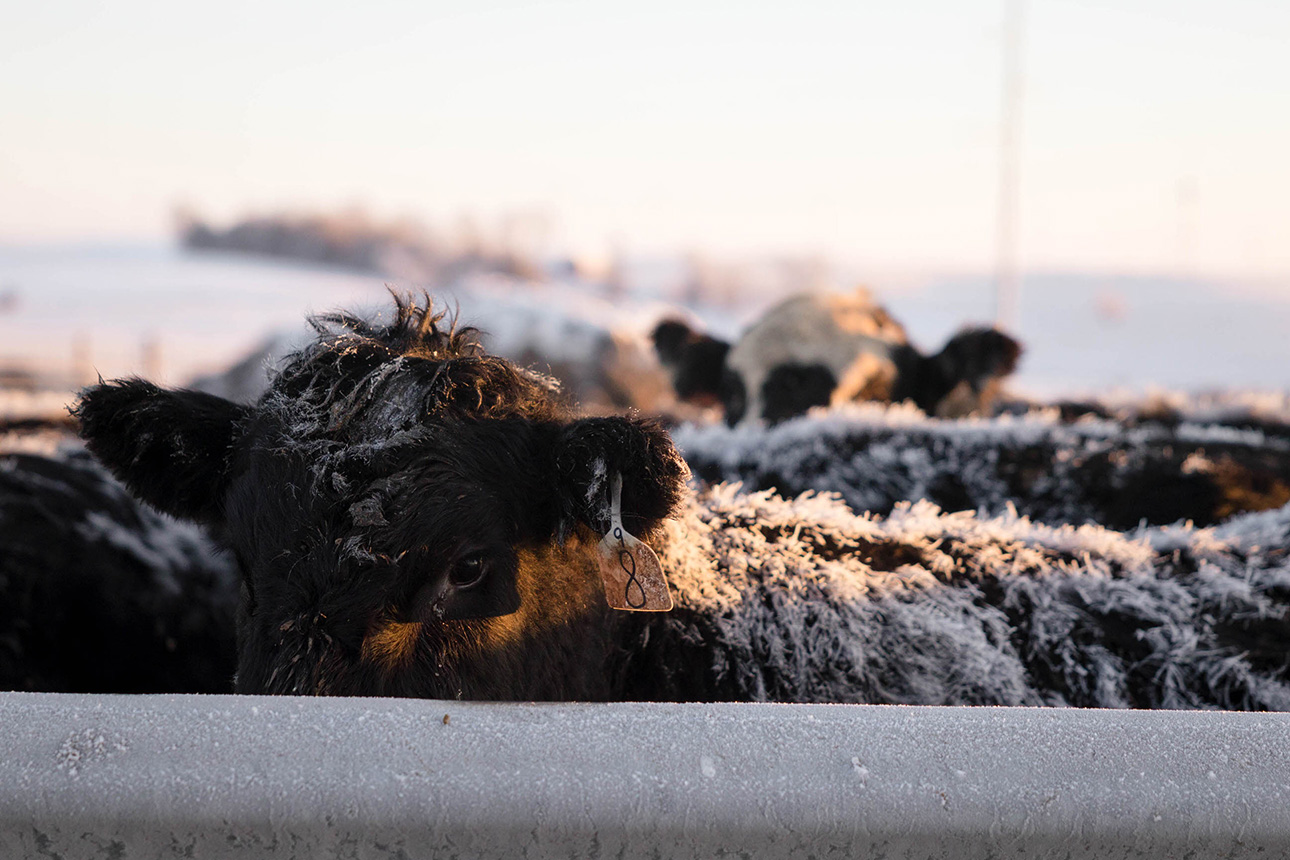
x=156, y=310
x=1199, y=459
x=1091, y=333
x=116, y=310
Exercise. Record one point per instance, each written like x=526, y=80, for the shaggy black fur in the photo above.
x=175, y=441
x=793, y=389
x=695, y=361
x=100, y=594
x=395, y=476
x=1113, y=472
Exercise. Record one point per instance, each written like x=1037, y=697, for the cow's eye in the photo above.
x=468, y=571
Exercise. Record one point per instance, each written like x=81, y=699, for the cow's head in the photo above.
x=962, y=379
x=405, y=510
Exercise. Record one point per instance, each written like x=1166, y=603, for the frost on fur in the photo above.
x=801, y=600
x=100, y=593
x=1107, y=470
x=414, y=517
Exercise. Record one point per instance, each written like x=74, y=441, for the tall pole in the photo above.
x=1187, y=199
x=1007, y=274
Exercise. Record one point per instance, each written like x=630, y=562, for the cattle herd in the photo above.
x=402, y=514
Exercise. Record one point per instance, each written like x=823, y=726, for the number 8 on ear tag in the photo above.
x=631, y=571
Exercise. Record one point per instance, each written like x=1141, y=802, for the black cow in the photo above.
x=413, y=517
x=101, y=594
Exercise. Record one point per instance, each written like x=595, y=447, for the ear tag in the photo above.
x=633, y=576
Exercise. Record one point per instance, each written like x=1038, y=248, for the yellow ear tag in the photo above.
x=633, y=576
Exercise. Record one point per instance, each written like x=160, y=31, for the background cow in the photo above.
x=820, y=349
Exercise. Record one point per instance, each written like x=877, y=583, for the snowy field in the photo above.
x=71, y=312
x=1093, y=333
x=120, y=310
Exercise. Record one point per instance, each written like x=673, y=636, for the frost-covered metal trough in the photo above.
x=223, y=776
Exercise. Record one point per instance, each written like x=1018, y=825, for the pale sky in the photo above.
x=1155, y=138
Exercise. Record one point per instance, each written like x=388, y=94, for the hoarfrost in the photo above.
x=816, y=603
x=80, y=749
x=1103, y=470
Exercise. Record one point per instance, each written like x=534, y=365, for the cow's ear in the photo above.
x=670, y=338
x=590, y=451
x=699, y=375
x=170, y=448
x=977, y=355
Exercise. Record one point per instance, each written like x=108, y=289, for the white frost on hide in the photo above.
x=804, y=617
x=391, y=397
x=1207, y=407
x=597, y=495
x=727, y=445
x=1250, y=533
x=1211, y=433
x=161, y=544
x=158, y=543
x=1257, y=531
x=1054, y=471
x=1082, y=542
x=815, y=603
